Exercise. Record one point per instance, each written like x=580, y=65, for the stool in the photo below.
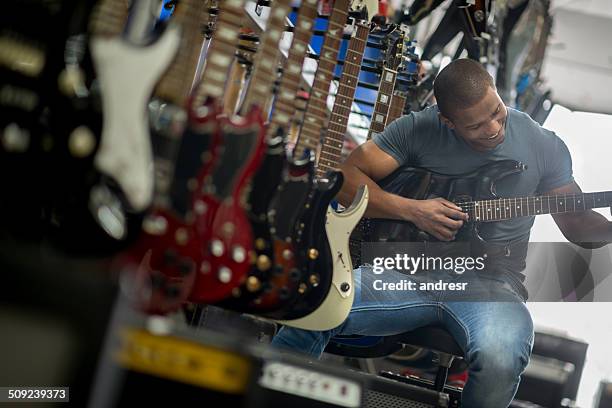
x=434, y=338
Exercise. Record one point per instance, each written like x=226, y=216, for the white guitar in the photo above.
x=127, y=74
x=338, y=225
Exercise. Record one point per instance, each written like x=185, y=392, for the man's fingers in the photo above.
x=451, y=223
x=450, y=204
x=445, y=234
x=454, y=213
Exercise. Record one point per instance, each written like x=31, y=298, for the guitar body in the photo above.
x=328, y=305
x=286, y=210
x=422, y=184
x=161, y=267
x=127, y=75
x=229, y=235
x=264, y=185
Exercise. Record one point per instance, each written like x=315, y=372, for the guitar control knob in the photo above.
x=225, y=274
x=155, y=225
x=253, y=284
x=15, y=139
x=302, y=288
x=314, y=280
x=200, y=207
x=263, y=262
x=313, y=253
x=287, y=254
x=238, y=254
x=216, y=247
x=81, y=142
x=345, y=287
x=260, y=244
x=181, y=236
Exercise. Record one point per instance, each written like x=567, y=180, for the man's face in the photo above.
x=482, y=125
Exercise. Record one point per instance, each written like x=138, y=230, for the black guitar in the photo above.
x=475, y=193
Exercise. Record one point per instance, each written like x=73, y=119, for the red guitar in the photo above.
x=165, y=258
x=220, y=204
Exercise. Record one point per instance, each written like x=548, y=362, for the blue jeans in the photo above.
x=493, y=327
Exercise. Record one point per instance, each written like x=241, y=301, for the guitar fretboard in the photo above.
x=109, y=18
x=383, y=101
x=316, y=114
x=398, y=101
x=331, y=152
x=284, y=107
x=176, y=83
x=507, y=208
x=221, y=51
x=267, y=57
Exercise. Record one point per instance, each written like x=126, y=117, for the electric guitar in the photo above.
x=317, y=267
x=294, y=192
x=225, y=223
x=272, y=256
x=475, y=193
x=127, y=76
x=327, y=305
x=162, y=264
x=334, y=296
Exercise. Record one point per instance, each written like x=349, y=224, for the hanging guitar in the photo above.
x=395, y=45
x=269, y=174
x=162, y=264
x=222, y=219
x=299, y=209
x=46, y=107
x=328, y=305
x=321, y=307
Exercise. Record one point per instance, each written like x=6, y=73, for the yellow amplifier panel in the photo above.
x=184, y=361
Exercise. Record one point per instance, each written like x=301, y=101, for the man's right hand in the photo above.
x=438, y=217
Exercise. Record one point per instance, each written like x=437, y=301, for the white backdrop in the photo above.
x=589, y=139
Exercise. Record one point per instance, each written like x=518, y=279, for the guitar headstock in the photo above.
x=366, y=8
x=394, y=43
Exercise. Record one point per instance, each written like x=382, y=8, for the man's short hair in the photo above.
x=460, y=85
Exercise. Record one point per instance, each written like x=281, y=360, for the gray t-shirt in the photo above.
x=421, y=139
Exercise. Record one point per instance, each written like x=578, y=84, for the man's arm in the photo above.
x=587, y=229
x=368, y=163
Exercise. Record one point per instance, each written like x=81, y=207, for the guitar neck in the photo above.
x=266, y=59
x=221, y=51
x=398, y=101
x=284, y=107
x=316, y=114
x=508, y=208
x=109, y=18
x=383, y=101
x=331, y=151
x=176, y=83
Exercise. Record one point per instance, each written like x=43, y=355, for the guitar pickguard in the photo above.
x=127, y=75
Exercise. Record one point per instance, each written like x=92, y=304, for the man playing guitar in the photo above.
x=468, y=128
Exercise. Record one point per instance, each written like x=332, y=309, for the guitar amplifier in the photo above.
x=554, y=370
x=205, y=368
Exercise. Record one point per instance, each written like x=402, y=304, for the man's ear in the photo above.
x=446, y=121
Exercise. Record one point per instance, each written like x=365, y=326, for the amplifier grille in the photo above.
x=376, y=399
